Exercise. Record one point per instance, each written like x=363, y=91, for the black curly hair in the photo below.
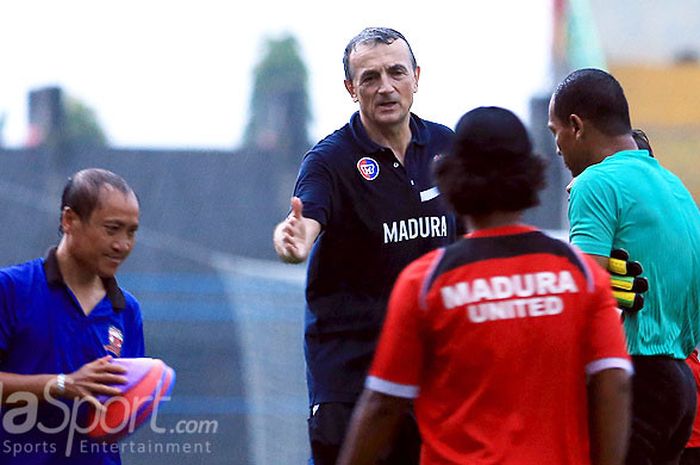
x=491, y=166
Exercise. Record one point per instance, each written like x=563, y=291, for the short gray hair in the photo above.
x=374, y=35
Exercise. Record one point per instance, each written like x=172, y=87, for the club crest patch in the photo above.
x=368, y=168
x=116, y=339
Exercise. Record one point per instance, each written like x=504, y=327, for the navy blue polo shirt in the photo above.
x=43, y=330
x=377, y=216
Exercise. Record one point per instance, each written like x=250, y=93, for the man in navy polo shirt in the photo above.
x=62, y=319
x=364, y=206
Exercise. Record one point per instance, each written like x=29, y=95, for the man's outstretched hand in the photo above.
x=294, y=237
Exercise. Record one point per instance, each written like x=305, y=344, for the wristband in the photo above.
x=61, y=383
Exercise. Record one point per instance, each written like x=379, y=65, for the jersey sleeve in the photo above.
x=606, y=345
x=593, y=214
x=314, y=186
x=398, y=362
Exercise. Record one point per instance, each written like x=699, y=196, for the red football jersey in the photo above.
x=494, y=337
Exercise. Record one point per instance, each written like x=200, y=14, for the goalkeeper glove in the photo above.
x=626, y=283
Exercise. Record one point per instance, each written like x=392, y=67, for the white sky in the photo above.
x=175, y=73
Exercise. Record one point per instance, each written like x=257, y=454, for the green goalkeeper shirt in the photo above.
x=630, y=201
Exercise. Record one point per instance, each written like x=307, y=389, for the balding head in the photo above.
x=82, y=191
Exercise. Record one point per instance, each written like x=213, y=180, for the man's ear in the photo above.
x=416, y=76
x=351, y=90
x=68, y=219
x=577, y=125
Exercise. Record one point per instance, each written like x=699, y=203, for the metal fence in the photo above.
x=234, y=339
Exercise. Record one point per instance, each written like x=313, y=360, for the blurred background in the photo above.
x=207, y=107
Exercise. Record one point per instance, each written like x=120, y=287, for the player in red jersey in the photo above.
x=508, y=341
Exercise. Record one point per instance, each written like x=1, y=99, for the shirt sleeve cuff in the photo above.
x=609, y=363
x=317, y=215
x=405, y=391
x=591, y=248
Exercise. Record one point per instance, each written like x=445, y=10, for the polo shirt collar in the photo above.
x=419, y=133
x=54, y=277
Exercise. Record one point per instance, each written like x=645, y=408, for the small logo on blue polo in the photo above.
x=368, y=168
